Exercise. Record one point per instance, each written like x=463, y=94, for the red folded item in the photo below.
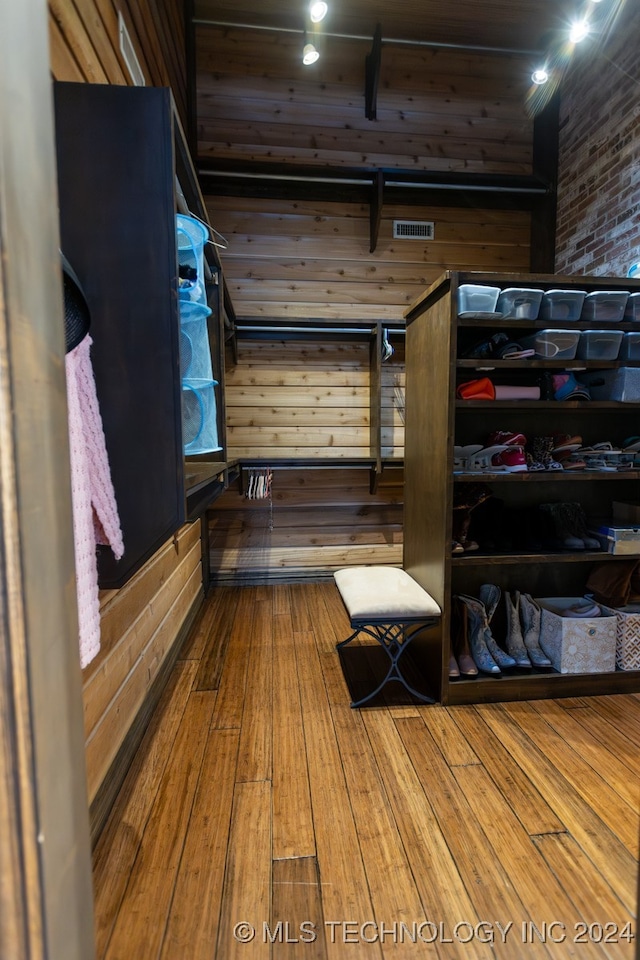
x=482, y=389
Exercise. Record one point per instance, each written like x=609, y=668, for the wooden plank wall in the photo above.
x=84, y=42
x=304, y=260
x=437, y=109
x=142, y=622
x=318, y=520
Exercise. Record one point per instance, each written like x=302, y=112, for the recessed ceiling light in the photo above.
x=540, y=75
x=309, y=54
x=318, y=10
x=579, y=31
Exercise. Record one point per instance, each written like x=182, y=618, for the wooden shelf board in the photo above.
x=552, y=476
x=542, y=685
x=517, y=559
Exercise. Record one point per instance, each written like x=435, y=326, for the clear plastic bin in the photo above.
x=632, y=309
x=477, y=298
x=630, y=349
x=605, y=306
x=521, y=303
x=599, y=344
x=562, y=304
x=553, y=344
x=199, y=416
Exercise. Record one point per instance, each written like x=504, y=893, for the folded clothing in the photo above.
x=567, y=387
x=498, y=347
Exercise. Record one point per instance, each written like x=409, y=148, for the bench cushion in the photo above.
x=379, y=593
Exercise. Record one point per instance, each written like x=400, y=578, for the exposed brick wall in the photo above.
x=599, y=165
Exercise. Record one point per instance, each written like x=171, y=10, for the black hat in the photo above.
x=77, y=318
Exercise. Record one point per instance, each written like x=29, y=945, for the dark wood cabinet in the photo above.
x=436, y=420
x=118, y=195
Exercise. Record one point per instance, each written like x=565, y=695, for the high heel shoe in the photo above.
x=515, y=641
x=478, y=629
x=530, y=615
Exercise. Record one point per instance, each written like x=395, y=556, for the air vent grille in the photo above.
x=413, y=230
x=129, y=54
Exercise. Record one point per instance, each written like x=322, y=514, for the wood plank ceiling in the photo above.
x=306, y=185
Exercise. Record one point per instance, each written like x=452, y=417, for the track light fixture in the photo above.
x=309, y=54
x=579, y=31
x=540, y=76
x=317, y=10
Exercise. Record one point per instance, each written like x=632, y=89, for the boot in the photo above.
x=477, y=618
x=562, y=523
x=490, y=596
x=515, y=642
x=461, y=659
x=530, y=615
x=578, y=523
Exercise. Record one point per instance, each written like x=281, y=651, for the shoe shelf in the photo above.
x=436, y=419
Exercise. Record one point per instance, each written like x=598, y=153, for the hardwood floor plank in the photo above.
x=214, y=649
x=246, y=897
x=293, y=834
x=584, y=885
x=528, y=803
x=256, y=733
x=612, y=770
x=195, y=645
x=620, y=816
x=297, y=906
x=443, y=893
x=612, y=740
x=345, y=893
x=233, y=679
x=488, y=884
x=542, y=897
x=281, y=600
x=139, y=927
x=623, y=712
x=117, y=848
x=615, y=862
x=393, y=889
x=192, y=930
x=456, y=750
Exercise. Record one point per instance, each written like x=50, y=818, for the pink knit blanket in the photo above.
x=95, y=511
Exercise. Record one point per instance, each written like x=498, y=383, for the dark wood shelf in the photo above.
x=542, y=685
x=552, y=476
x=530, y=363
x=518, y=324
x=544, y=405
x=478, y=558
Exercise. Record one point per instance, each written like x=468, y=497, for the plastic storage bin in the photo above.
x=199, y=416
x=632, y=308
x=630, y=349
x=477, y=298
x=599, y=344
x=521, y=303
x=604, y=306
x=562, y=304
x=195, y=352
x=621, y=384
x=553, y=344
x=192, y=236
x=576, y=644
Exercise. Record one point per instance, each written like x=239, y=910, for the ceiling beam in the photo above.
x=372, y=63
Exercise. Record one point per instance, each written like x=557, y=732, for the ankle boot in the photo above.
x=566, y=538
x=489, y=595
x=515, y=642
x=477, y=619
x=530, y=615
x=578, y=521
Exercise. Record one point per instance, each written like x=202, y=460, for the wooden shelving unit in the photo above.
x=436, y=420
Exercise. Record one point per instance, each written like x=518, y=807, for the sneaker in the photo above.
x=508, y=438
x=512, y=459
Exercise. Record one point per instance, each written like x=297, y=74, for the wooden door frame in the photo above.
x=46, y=903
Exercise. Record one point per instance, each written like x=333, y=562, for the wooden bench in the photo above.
x=388, y=605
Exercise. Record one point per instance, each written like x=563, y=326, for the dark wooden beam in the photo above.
x=375, y=210
x=191, y=131
x=372, y=75
x=545, y=167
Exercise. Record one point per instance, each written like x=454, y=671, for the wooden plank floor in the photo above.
x=264, y=818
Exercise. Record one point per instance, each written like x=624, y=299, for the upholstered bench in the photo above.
x=388, y=605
